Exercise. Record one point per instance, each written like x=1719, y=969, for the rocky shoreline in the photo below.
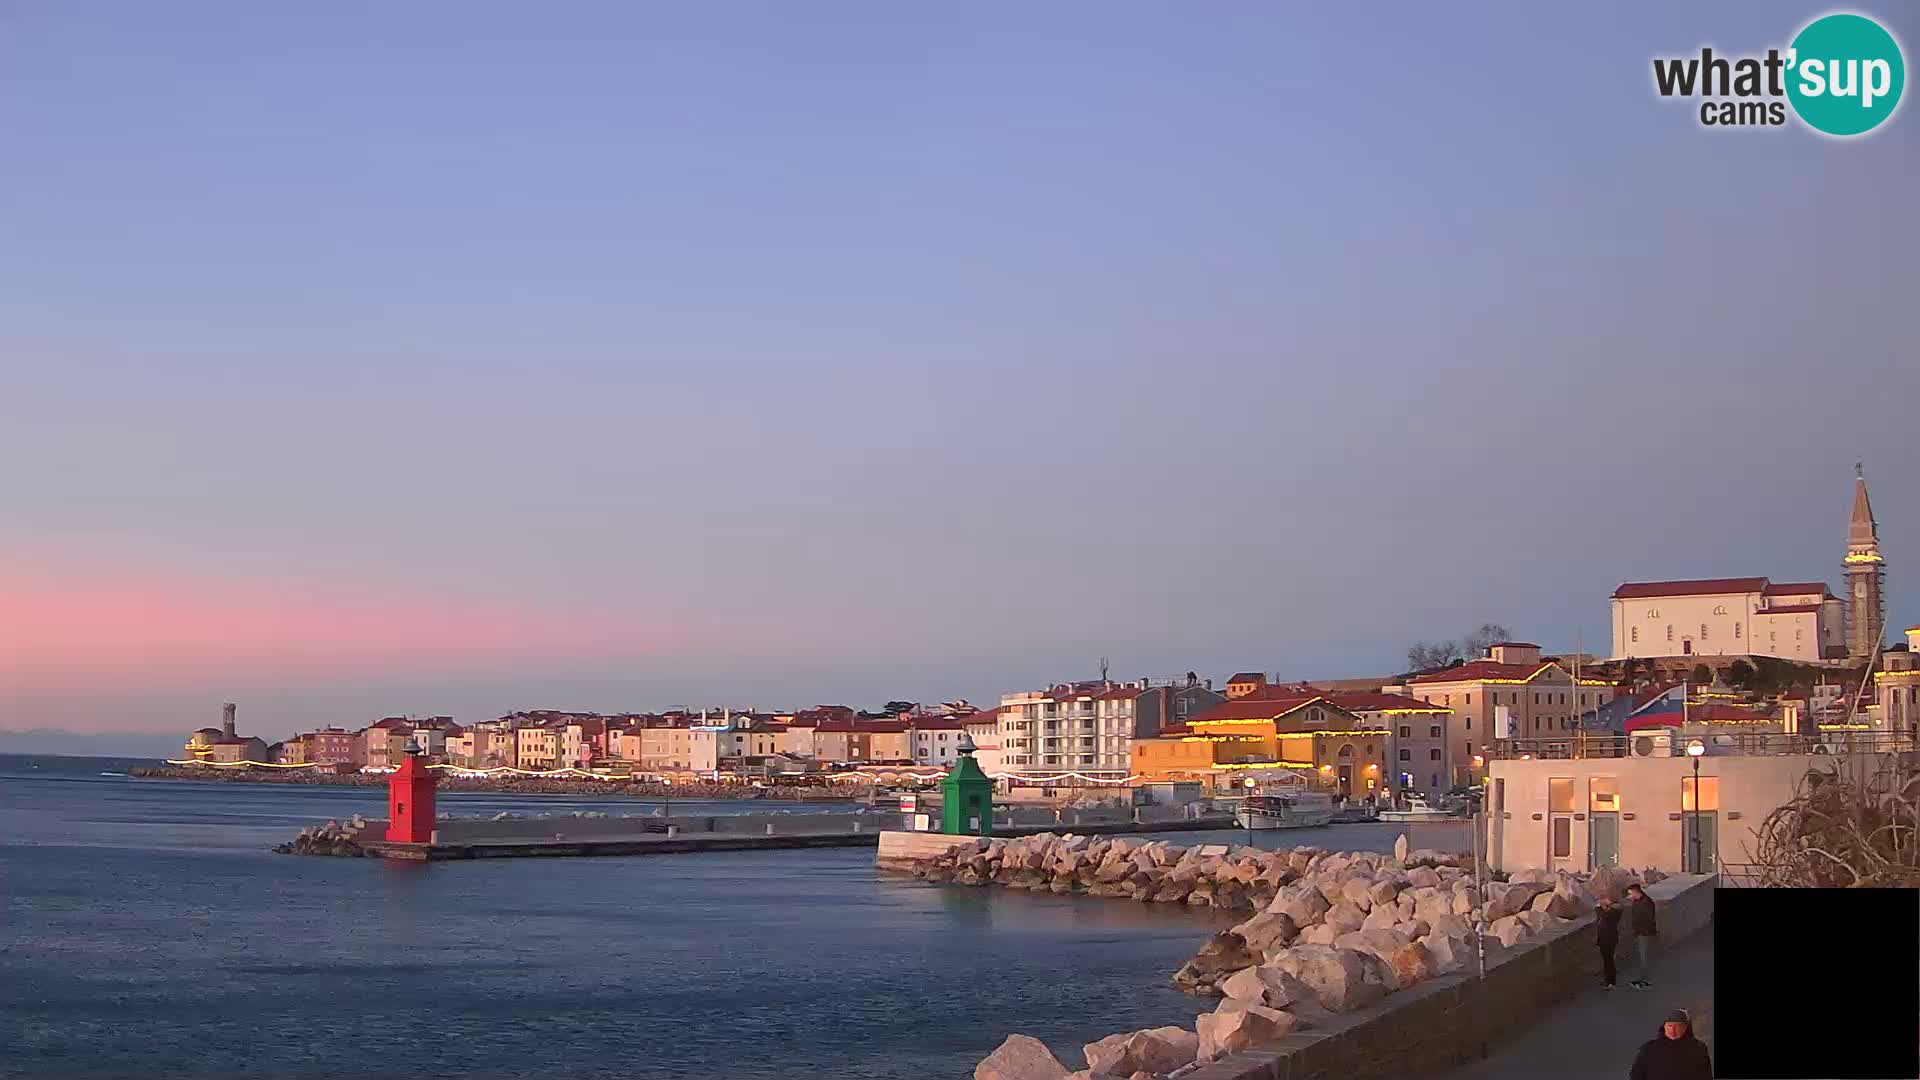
x=333, y=838
x=512, y=785
x=1330, y=932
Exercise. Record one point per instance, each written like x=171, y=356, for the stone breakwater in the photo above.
x=1331, y=932
x=333, y=838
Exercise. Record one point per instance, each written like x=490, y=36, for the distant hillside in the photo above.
x=105, y=744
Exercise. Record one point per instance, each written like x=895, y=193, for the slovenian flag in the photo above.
x=1668, y=708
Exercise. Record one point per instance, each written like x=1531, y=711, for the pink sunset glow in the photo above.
x=143, y=626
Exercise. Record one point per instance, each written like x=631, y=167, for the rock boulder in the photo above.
x=1021, y=1057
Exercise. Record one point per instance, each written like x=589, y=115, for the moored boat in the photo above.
x=1296, y=810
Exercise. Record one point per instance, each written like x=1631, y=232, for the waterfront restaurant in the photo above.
x=1304, y=732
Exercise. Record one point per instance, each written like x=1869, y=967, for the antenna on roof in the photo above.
x=1103, y=669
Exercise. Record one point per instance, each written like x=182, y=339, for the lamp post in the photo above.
x=1696, y=750
x=1248, y=809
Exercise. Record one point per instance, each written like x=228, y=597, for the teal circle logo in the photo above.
x=1845, y=74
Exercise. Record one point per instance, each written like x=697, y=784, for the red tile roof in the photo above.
x=1639, y=590
x=1257, y=707
x=1788, y=609
x=1796, y=588
x=1377, y=702
x=1482, y=669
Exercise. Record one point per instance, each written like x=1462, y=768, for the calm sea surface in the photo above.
x=145, y=929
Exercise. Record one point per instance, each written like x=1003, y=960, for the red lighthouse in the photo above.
x=410, y=801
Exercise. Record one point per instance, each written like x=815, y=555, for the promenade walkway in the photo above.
x=1597, y=1033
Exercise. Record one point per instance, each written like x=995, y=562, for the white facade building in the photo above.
x=1085, y=727
x=1799, y=621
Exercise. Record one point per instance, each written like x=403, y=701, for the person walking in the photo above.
x=1674, y=1054
x=1607, y=936
x=1640, y=926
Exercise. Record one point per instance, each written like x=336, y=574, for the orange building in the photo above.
x=1303, y=731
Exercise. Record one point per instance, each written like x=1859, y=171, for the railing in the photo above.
x=1739, y=875
x=1674, y=744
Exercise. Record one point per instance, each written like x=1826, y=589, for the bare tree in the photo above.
x=1487, y=635
x=1425, y=656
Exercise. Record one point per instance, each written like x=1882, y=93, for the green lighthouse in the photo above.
x=966, y=796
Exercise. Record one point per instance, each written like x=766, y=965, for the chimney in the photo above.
x=226, y=719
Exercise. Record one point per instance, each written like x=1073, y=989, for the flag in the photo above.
x=1667, y=708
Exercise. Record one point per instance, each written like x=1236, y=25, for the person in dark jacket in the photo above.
x=1674, y=1054
x=1641, y=926
x=1607, y=936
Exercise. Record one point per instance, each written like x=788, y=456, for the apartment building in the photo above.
x=1085, y=727
x=1513, y=693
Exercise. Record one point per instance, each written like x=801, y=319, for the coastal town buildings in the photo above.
x=1512, y=692
x=537, y=746
x=1730, y=617
x=1080, y=727
x=1754, y=616
x=983, y=728
x=936, y=739
x=1634, y=803
x=1245, y=683
x=1162, y=702
x=1897, y=689
x=1417, y=756
x=1298, y=729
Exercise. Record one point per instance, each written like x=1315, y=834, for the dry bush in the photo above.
x=1855, y=824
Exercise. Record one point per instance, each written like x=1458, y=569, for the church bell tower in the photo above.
x=1866, y=576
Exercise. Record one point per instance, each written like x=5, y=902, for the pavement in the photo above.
x=1598, y=1033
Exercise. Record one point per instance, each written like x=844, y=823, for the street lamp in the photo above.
x=1696, y=750
x=1247, y=809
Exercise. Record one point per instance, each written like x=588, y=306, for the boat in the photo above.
x=1418, y=809
x=1295, y=810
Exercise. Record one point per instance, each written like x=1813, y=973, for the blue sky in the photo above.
x=461, y=357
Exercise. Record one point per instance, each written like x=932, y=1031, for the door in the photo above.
x=1703, y=857
x=1346, y=779
x=1700, y=824
x=1560, y=809
x=1605, y=844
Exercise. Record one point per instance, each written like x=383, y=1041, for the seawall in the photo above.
x=1454, y=1019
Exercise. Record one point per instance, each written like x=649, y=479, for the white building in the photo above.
x=1799, y=621
x=936, y=739
x=1085, y=727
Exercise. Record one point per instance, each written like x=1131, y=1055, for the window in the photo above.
x=1469, y=699
x=1406, y=755
x=1709, y=794
x=1433, y=754
x=1406, y=732
x=1433, y=731
x=1560, y=795
x=1469, y=747
x=1536, y=697
x=1469, y=723
x=1562, y=837
x=1603, y=794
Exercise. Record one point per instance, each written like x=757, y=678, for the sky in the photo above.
x=451, y=358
